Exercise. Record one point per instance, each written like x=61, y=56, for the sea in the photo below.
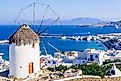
x=62, y=45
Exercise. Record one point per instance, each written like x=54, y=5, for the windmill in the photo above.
x=24, y=46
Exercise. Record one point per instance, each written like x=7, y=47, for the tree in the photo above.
x=51, y=69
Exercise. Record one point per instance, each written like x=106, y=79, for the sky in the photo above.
x=66, y=9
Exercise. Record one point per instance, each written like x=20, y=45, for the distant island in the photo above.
x=84, y=22
x=78, y=22
x=93, y=22
x=74, y=21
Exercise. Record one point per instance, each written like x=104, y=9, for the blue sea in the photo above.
x=63, y=45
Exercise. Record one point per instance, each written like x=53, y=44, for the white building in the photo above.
x=113, y=54
x=69, y=56
x=90, y=55
x=95, y=55
x=47, y=61
x=24, y=52
x=4, y=64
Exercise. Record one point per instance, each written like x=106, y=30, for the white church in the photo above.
x=24, y=52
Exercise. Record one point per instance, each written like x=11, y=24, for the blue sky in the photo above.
x=66, y=9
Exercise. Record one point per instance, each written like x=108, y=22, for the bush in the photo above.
x=111, y=61
x=92, y=69
x=58, y=68
x=51, y=69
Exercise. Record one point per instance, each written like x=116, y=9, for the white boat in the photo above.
x=4, y=65
x=77, y=38
x=63, y=37
x=4, y=41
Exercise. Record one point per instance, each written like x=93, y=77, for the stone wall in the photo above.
x=77, y=79
x=97, y=79
x=5, y=79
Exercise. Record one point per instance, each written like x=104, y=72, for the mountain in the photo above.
x=75, y=21
x=84, y=21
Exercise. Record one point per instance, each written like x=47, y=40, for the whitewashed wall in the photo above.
x=20, y=57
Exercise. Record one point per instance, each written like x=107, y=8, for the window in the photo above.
x=83, y=61
x=96, y=56
x=33, y=45
x=49, y=62
x=54, y=62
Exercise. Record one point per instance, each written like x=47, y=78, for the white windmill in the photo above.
x=24, y=49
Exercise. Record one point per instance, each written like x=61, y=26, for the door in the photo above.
x=31, y=68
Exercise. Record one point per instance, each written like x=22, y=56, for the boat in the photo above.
x=85, y=39
x=63, y=37
x=4, y=41
x=89, y=38
x=75, y=38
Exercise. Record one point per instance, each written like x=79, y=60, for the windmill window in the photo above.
x=33, y=45
x=20, y=66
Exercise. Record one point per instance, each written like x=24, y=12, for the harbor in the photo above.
x=71, y=37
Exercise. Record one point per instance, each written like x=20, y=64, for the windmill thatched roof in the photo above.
x=24, y=35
